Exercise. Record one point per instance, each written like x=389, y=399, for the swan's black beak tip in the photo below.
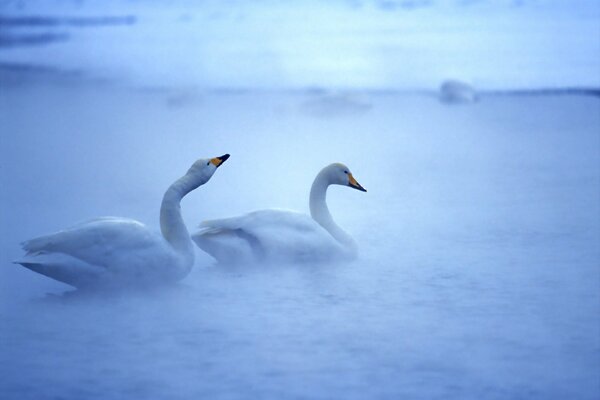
x=354, y=184
x=222, y=159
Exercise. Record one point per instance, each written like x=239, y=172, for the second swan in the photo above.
x=281, y=235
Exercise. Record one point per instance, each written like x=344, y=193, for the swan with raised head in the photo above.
x=121, y=251
x=281, y=235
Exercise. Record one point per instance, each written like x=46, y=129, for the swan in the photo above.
x=281, y=235
x=121, y=251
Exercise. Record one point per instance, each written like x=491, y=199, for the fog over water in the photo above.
x=479, y=263
x=415, y=45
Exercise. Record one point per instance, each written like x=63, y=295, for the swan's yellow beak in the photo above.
x=217, y=161
x=353, y=184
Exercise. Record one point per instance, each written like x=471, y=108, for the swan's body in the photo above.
x=268, y=235
x=282, y=235
x=112, y=250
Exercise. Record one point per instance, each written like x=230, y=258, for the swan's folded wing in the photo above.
x=94, y=240
x=215, y=225
x=57, y=241
x=268, y=234
x=261, y=219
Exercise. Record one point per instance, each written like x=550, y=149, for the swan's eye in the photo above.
x=208, y=163
x=345, y=172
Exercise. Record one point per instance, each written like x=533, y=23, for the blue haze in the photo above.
x=479, y=267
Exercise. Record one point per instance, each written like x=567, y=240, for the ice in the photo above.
x=453, y=91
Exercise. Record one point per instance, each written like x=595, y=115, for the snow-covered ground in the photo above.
x=479, y=236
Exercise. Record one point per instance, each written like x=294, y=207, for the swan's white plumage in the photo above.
x=121, y=251
x=99, y=250
x=267, y=235
x=281, y=235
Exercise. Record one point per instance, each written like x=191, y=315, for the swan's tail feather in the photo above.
x=62, y=268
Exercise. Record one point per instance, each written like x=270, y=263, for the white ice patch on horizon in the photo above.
x=453, y=91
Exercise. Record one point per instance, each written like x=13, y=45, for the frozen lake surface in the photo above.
x=479, y=237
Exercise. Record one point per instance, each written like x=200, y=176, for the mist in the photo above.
x=478, y=267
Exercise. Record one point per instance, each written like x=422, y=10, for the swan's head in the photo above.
x=340, y=174
x=204, y=168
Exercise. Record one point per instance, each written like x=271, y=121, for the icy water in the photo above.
x=479, y=268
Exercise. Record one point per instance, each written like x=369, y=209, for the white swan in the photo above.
x=112, y=250
x=282, y=235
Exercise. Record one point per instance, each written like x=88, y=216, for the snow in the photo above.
x=479, y=266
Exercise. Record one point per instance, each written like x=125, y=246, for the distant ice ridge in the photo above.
x=336, y=104
x=454, y=91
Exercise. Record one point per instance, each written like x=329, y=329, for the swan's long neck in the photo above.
x=171, y=221
x=320, y=212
